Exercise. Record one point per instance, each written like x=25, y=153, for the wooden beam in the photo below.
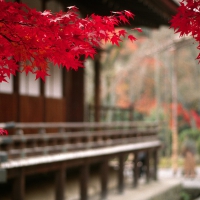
x=16, y=92
x=97, y=88
x=25, y=162
x=60, y=178
x=155, y=164
x=104, y=178
x=147, y=163
x=84, y=178
x=121, y=173
x=74, y=92
x=135, y=169
x=18, y=186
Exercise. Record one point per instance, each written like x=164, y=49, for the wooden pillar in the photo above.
x=131, y=113
x=97, y=88
x=104, y=178
x=135, y=169
x=16, y=92
x=74, y=91
x=84, y=178
x=121, y=174
x=43, y=4
x=60, y=178
x=147, y=163
x=18, y=186
x=155, y=164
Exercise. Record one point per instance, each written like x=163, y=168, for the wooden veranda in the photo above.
x=56, y=147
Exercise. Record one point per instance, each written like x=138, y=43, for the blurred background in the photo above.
x=154, y=78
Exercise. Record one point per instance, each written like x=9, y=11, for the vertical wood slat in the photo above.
x=121, y=174
x=135, y=170
x=84, y=178
x=60, y=179
x=104, y=178
x=147, y=165
x=155, y=164
x=97, y=66
x=18, y=186
x=16, y=92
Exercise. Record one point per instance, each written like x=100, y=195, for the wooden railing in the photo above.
x=72, y=137
x=32, y=148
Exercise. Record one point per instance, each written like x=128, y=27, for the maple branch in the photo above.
x=61, y=38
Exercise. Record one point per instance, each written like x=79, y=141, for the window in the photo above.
x=7, y=87
x=28, y=85
x=53, y=83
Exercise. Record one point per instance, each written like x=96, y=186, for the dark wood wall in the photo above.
x=69, y=108
x=31, y=109
x=8, y=108
x=55, y=110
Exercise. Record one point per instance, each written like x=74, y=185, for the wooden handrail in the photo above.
x=36, y=125
x=87, y=136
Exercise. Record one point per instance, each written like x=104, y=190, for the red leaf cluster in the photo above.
x=3, y=132
x=187, y=20
x=34, y=38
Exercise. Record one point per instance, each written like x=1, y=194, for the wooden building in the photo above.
x=61, y=98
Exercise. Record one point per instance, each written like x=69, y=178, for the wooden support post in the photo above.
x=97, y=72
x=18, y=187
x=131, y=113
x=121, y=174
x=135, y=169
x=74, y=82
x=155, y=164
x=147, y=163
x=60, y=178
x=104, y=178
x=84, y=177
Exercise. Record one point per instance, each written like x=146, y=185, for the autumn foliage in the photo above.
x=34, y=38
x=187, y=20
x=3, y=132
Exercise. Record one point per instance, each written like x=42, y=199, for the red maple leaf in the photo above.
x=123, y=19
x=122, y=32
x=128, y=14
x=131, y=38
x=138, y=29
x=41, y=74
x=115, y=40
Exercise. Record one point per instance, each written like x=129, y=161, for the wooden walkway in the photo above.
x=35, y=148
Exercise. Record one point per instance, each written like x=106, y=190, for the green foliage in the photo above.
x=193, y=134
x=156, y=114
x=185, y=196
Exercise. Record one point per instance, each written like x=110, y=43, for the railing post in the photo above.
x=121, y=174
x=60, y=178
x=18, y=186
x=155, y=164
x=84, y=177
x=147, y=165
x=135, y=169
x=104, y=178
